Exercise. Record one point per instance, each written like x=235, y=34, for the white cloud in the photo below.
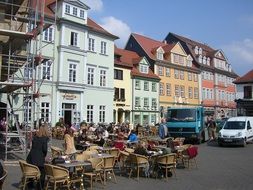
x=95, y=5
x=118, y=28
x=240, y=54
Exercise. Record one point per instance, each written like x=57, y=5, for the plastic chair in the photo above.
x=2, y=179
x=29, y=172
x=56, y=175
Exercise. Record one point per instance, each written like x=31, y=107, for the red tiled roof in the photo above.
x=148, y=44
x=131, y=59
x=247, y=78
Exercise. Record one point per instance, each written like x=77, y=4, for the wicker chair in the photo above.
x=56, y=175
x=55, y=151
x=168, y=162
x=29, y=172
x=115, y=152
x=137, y=162
x=97, y=164
x=129, y=150
x=108, y=167
x=2, y=179
x=124, y=160
x=189, y=156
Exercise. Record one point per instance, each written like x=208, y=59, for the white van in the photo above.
x=236, y=130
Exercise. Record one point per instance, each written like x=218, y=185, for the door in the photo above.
x=249, y=132
x=67, y=116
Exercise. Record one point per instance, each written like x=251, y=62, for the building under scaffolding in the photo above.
x=21, y=56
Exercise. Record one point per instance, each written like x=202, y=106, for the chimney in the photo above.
x=165, y=41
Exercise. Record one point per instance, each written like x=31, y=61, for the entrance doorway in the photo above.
x=68, y=110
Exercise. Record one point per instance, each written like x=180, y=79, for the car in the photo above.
x=236, y=130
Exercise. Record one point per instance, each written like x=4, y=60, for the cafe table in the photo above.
x=74, y=178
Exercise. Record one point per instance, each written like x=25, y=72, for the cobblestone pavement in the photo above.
x=219, y=168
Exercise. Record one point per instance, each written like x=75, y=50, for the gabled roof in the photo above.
x=247, y=78
x=148, y=44
x=131, y=59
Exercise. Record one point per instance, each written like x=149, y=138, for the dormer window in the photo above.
x=143, y=69
x=189, y=61
x=200, y=58
x=196, y=50
x=204, y=60
x=74, y=11
x=81, y=13
x=159, y=55
x=208, y=61
x=67, y=9
x=200, y=51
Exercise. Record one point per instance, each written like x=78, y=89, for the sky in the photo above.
x=222, y=24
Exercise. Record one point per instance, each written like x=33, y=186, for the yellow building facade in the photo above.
x=180, y=81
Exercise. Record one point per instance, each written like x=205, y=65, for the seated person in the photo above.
x=100, y=141
x=132, y=137
x=82, y=137
x=141, y=149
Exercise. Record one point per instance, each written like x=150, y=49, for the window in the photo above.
x=195, y=78
x=91, y=44
x=48, y=34
x=73, y=39
x=161, y=90
x=118, y=74
x=181, y=60
x=200, y=58
x=89, y=113
x=46, y=70
x=211, y=93
x=146, y=103
x=176, y=58
x=102, y=114
x=82, y=13
x=72, y=72
x=160, y=70
x=122, y=94
x=153, y=87
x=67, y=9
x=90, y=76
x=196, y=50
x=176, y=74
x=28, y=108
x=102, y=77
x=182, y=75
x=116, y=94
x=144, y=69
x=137, y=102
x=28, y=73
x=190, y=92
x=207, y=94
x=247, y=92
x=154, y=104
x=146, y=87
x=137, y=85
x=200, y=51
x=189, y=76
x=167, y=72
x=74, y=11
x=204, y=93
x=177, y=90
x=103, y=48
x=159, y=55
x=196, y=93
x=182, y=91
x=168, y=89
x=45, y=113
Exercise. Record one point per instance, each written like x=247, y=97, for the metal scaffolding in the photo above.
x=21, y=27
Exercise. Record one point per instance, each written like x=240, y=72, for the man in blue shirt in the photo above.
x=162, y=129
x=132, y=137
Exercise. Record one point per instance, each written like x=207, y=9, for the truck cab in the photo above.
x=187, y=122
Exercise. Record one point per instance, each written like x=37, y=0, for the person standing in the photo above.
x=163, y=129
x=211, y=128
x=38, y=151
x=69, y=140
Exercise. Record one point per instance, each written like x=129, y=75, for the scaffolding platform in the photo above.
x=11, y=87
